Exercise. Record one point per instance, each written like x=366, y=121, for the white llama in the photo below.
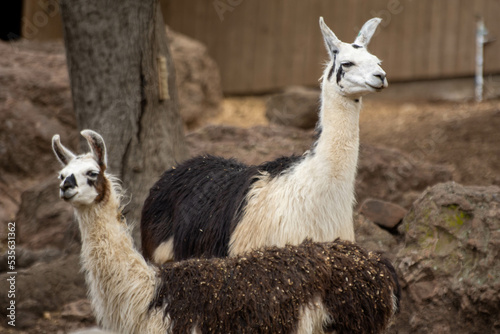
x=210, y=206
x=309, y=288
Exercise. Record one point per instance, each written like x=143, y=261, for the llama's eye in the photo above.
x=92, y=174
x=347, y=64
x=61, y=177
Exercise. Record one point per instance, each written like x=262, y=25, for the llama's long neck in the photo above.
x=315, y=198
x=121, y=284
x=337, y=147
x=330, y=168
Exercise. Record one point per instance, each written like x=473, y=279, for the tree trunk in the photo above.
x=113, y=50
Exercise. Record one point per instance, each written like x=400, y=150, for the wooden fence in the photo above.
x=264, y=45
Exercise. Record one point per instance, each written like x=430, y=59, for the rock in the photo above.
x=26, y=257
x=391, y=175
x=449, y=263
x=79, y=310
x=198, y=79
x=35, y=95
x=297, y=106
x=43, y=220
x=382, y=213
x=374, y=238
x=28, y=319
x=35, y=103
x=45, y=287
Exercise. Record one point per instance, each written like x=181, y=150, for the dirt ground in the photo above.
x=464, y=135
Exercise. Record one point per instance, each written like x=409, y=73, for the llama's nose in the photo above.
x=381, y=76
x=69, y=182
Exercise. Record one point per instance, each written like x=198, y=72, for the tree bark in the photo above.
x=112, y=50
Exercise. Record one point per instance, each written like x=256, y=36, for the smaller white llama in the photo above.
x=310, y=288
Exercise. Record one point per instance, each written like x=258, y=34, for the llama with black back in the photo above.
x=214, y=207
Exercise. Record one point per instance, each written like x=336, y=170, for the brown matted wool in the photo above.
x=264, y=291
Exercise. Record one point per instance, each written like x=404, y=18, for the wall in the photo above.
x=264, y=45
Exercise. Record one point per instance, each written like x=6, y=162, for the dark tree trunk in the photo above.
x=113, y=49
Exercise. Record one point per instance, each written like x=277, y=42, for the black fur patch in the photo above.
x=330, y=73
x=263, y=291
x=280, y=165
x=199, y=203
x=340, y=74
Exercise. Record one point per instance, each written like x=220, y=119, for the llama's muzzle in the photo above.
x=67, y=187
x=378, y=81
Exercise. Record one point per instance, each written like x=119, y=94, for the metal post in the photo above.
x=481, y=33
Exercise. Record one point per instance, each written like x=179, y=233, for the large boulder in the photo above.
x=449, y=264
x=43, y=287
x=297, y=106
x=198, y=80
x=385, y=214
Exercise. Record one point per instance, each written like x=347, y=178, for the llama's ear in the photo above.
x=331, y=41
x=97, y=146
x=62, y=153
x=367, y=31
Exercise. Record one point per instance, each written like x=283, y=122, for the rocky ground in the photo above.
x=427, y=189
